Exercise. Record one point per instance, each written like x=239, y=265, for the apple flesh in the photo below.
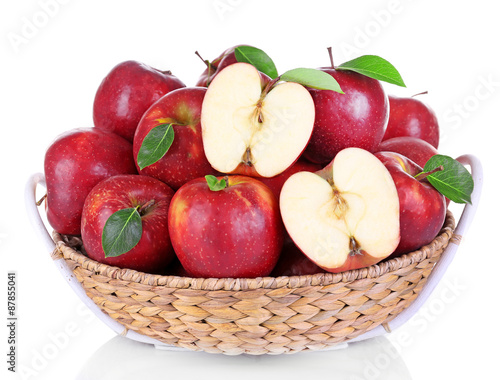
x=422, y=207
x=357, y=118
x=292, y=261
x=74, y=163
x=417, y=150
x=185, y=160
x=126, y=93
x=345, y=216
x=234, y=232
x=411, y=117
x=249, y=128
x=154, y=251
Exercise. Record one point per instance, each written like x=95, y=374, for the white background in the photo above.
x=53, y=59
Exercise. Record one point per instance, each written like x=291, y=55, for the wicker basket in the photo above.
x=255, y=316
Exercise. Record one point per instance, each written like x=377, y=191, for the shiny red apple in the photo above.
x=412, y=117
x=126, y=93
x=74, y=163
x=235, y=231
x=357, y=118
x=151, y=198
x=416, y=149
x=185, y=159
x=422, y=207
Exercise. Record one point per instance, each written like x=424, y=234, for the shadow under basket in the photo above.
x=267, y=315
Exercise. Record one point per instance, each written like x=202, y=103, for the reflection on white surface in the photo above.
x=122, y=358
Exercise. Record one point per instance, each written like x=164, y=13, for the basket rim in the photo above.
x=64, y=249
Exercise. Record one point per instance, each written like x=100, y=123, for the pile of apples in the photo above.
x=247, y=173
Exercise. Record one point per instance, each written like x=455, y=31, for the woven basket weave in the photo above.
x=268, y=315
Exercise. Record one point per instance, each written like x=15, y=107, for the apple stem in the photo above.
x=204, y=60
x=41, y=200
x=209, y=66
x=268, y=88
x=167, y=72
x=265, y=91
x=423, y=175
x=420, y=93
x=331, y=56
x=142, y=209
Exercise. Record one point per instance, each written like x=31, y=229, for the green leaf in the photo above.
x=155, y=145
x=374, y=67
x=454, y=181
x=312, y=78
x=214, y=184
x=122, y=232
x=257, y=58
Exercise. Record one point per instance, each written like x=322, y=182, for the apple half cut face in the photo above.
x=345, y=216
x=251, y=128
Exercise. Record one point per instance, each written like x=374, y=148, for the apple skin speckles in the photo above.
x=154, y=251
x=74, y=163
x=128, y=90
x=357, y=118
x=185, y=160
x=234, y=232
x=422, y=207
x=412, y=117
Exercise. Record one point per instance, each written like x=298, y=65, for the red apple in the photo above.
x=417, y=150
x=185, y=159
x=226, y=58
x=411, y=117
x=422, y=207
x=233, y=232
x=345, y=216
x=74, y=163
x=126, y=93
x=151, y=197
x=357, y=118
x=276, y=183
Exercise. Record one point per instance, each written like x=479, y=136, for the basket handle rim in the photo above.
x=447, y=256
x=38, y=179
x=468, y=213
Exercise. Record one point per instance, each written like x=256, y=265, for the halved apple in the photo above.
x=252, y=125
x=345, y=216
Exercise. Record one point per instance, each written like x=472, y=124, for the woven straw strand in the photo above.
x=255, y=316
